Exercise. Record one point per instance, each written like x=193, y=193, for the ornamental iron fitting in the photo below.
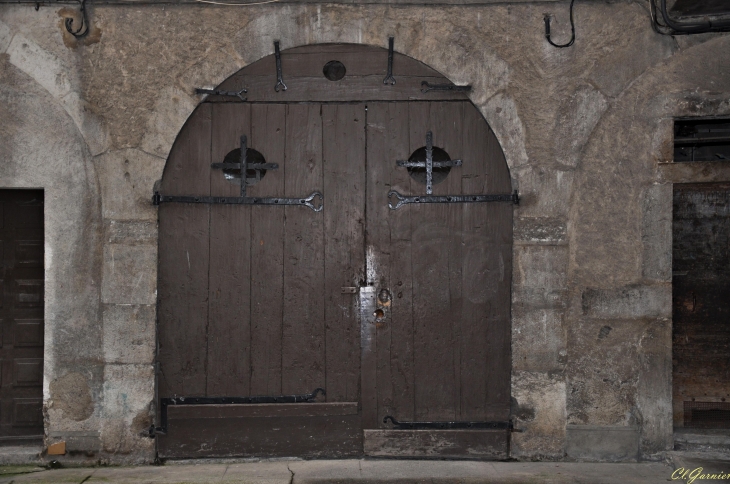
x=314, y=201
x=396, y=200
x=389, y=79
x=280, y=86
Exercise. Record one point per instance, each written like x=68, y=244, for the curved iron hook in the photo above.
x=398, y=196
x=392, y=420
x=83, y=29
x=308, y=202
x=572, y=29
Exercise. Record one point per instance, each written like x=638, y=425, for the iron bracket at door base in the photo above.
x=166, y=402
x=506, y=425
x=404, y=200
x=158, y=199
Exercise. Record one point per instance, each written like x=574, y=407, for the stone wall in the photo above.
x=586, y=130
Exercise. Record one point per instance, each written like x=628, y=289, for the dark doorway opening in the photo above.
x=21, y=313
x=701, y=306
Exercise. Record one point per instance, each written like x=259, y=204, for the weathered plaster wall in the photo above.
x=584, y=130
x=42, y=147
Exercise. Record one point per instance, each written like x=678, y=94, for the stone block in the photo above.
x=540, y=230
x=91, y=126
x=602, y=443
x=508, y=126
x=43, y=66
x=129, y=333
x=128, y=389
x=129, y=274
x=6, y=35
x=577, y=118
x=656, y=237
x=127, y=178
x=85, y=442
x=622, y=62
x=654, y=387
x=539, y=298
x=130, y=233
x=128, y=397
x=539, y=409
x=606, y=384
x=538, y=340
x=543, y=267
x=172, y=108
x=628, y=302
x=544, y=191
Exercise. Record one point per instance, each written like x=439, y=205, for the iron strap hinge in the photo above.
x=426, y=87
x=502, y=425
x=404, y=200
x=166, y=402
x=317, y=197
x=216, y=92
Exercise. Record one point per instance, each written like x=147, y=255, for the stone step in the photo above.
x=686, y=439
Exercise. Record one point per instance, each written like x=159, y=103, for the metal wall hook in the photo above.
x=572, y=29
x=279, y=79
x=83, y=29
x=389, y=79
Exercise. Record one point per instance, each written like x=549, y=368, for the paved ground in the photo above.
x=366, y=471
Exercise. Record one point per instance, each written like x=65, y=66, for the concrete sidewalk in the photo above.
x=358, y=471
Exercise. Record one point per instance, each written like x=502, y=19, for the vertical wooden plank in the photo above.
x=183, y=263
x=433, y=352
x=229, y=272
x=343, y=145
x=389, y=239
x=499, y=334
x=476, y=244
x=376, y=381
x=449, y=123
x=267, y=252
x=303, y=352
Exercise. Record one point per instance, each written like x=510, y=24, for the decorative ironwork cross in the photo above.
x=244, y=166
x=429, y=164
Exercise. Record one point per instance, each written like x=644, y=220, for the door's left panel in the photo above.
x=21, y=314
x=250, y=295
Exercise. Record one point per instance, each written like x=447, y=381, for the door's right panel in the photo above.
x=442, y=349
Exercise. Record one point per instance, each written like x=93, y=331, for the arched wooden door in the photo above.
x=392, y=312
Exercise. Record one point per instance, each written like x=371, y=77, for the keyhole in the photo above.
x=379, y=315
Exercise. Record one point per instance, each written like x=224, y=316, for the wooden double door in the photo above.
x=402, y=313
